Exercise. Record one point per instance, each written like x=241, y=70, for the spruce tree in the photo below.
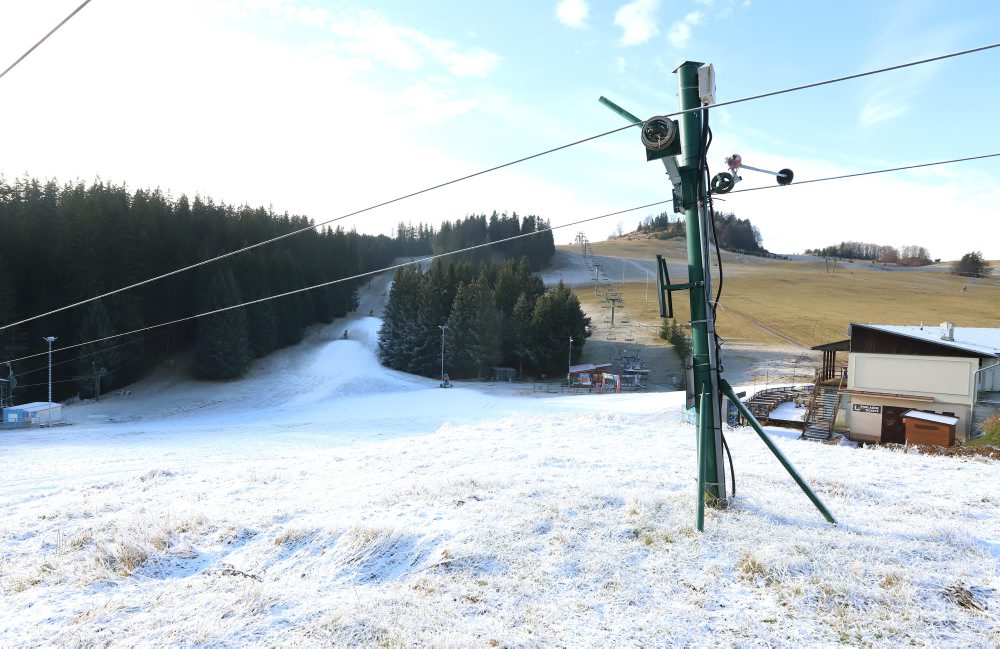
x=558, y=317
x=474, y=328
x=222, y=350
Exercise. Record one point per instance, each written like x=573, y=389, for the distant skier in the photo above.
x=345, y=334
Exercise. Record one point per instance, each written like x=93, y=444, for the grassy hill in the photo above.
x=809, y=302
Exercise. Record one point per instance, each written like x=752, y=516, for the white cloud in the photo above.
x=638, y=21
x=680, y=32
x=370, y=38
x=874, y=112
x=620, y=64
x=886, y=104
x=470, y=62
x=426, y=104
x=573, y=13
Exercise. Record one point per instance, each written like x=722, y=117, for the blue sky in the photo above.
x=322, y=108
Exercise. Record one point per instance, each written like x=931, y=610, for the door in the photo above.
x=893, y=428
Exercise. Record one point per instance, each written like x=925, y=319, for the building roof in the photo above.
x=588, y=367
x=35, y=406
x=981, y=341
x=839, y=346
x=930, y=416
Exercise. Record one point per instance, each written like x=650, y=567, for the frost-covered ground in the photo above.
x=325, y=500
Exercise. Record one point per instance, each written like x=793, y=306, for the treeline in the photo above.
x=496, y=315
x=60, y=244
x=904, y=256
x=731, y=233
x=665, y=225
x=478, y=229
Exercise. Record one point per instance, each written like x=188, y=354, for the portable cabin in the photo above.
x=40, y=413
x=14, y=417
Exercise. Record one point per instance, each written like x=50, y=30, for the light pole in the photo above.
x=48, y=409
x=569, y=364
x=443, y=328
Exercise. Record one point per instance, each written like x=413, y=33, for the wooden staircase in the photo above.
x=762, y=403
x=822, y=411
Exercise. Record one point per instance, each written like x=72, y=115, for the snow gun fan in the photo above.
x=723, y=183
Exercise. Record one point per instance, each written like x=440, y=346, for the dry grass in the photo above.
x=805, y=302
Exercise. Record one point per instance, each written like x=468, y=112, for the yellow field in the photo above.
x=805, y=303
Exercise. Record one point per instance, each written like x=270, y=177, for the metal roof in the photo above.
x=931, y=416
x=36, y=406
x=981, y=341
x=588, y=367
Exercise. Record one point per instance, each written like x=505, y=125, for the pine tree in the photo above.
x=522, y=332
x=395, y=338
x=558, y=317
x=475, y=330
x=222, y=350
x=433, y=309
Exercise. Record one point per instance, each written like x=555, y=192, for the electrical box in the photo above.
x=706, y=84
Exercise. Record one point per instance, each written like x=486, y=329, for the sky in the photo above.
x=324, y=108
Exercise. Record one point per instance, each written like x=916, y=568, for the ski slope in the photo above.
x=326, y=500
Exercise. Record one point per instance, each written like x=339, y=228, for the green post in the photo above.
x=704, y=437
x=803, y=485
x=709, y=467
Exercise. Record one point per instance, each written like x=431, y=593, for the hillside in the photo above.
x=324, y=500
x=807, y=300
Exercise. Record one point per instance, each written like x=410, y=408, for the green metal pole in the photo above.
x=729, y=392
x=618, y=109
x=690, y=132
x=702, y=443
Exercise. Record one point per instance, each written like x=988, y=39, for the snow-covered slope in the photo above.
x=326, y=500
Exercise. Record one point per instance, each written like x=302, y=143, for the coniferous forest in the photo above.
x=61, y=244
x=496, y=315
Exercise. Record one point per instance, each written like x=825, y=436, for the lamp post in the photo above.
x=48, y=409
x=569, y=364
x=443, y=328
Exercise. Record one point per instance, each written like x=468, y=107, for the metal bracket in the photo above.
x=666, y=288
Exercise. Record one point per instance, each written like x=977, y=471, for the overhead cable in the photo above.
x=456, y=252
x=313, y=227
x=866, y=173
x=44, y=38
x=343, y=279
x=483, y=172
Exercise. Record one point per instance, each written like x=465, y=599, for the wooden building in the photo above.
x=893, y=370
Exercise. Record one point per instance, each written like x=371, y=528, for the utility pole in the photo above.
x=48, y=409
x=569, y=364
